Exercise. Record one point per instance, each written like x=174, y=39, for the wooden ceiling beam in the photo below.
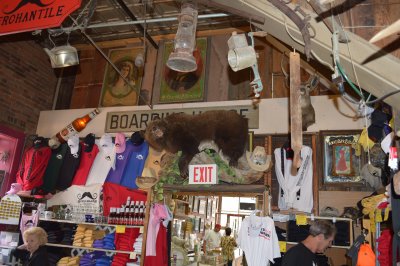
x=132, y=42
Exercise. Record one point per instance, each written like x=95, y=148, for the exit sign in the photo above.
x=203, y=174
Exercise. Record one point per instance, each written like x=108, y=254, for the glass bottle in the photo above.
x=141, y=213
x=74, y=127
x=136, y=214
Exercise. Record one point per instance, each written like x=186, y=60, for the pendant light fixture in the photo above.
x=182, y=59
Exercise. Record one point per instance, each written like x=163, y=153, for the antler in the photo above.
x=284, y=72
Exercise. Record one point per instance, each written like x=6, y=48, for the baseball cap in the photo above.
x=73, y=143
x=120, y=143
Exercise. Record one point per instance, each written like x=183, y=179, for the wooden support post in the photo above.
x=145, y=225
x=295, y=111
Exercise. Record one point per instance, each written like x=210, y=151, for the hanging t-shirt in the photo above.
x=51, y=174
x=78, y=195
x=295, y=191
x=68, y=169
x=121, y=161
x=32, y=167
x=104, y=161
x=158, y=213
x=257, y=237
x=87, y=159
x=135, y=166
x=161, y=255
x=115, y=195
x=28, y=221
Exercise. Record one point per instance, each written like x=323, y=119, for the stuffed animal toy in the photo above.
x=183, y=132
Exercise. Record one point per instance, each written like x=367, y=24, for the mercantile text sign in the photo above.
x=131, y=121
x=28, y=15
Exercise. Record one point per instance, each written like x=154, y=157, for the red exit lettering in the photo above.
x=202, y=174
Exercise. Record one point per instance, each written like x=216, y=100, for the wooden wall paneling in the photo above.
x=218, y=68
x=341, y=199
x=385, y=13
x=89, y=79
x=146, y=91
x=157, y=78
x=314, y=143
x=66, y=88
x=279, y=88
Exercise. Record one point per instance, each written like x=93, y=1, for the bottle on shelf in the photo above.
x=132, y=213
x=141, y=213
x=74, y=127
x=111, y=216
x=136, y=214
x=117, y=216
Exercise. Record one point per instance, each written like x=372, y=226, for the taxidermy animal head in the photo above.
x=307, y=110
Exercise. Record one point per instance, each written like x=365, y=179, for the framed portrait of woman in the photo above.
x=122, y=89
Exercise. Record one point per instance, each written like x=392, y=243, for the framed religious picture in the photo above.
x=122, y=89
x=183, y=86
x=343, y=157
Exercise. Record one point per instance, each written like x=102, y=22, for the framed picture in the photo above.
x=190, y=203
x=179, y=86
x=202, y=206
x=209, y=208
x=342, y=156
x=115, y=90
x=195, y=204
x=214, y=207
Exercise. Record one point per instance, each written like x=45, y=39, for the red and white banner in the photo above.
x=29, y=15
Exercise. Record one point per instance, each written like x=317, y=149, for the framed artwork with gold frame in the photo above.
x=183, y=86
x=115, y=90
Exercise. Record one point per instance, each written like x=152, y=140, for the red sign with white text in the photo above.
x=203, y=174
x=29, y=15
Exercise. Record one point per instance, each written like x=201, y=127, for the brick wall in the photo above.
x=27, y=82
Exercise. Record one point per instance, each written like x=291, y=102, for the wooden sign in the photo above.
x=201, y=174
x=131, y=121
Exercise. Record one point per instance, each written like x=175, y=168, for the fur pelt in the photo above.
x=183, y=132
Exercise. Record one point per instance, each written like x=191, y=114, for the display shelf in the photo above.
x=100, y=224
x=8, y=247
x=181, y=201
x=89, y=248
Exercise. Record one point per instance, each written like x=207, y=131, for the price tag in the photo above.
x=301, y=219
x=132, y=255
x=120, y=229
x=282, y=246
x=141, y=230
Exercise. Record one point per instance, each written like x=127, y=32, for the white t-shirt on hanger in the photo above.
x=297, y=190
x=257, y=237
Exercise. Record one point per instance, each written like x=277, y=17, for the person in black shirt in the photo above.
x=321, y=235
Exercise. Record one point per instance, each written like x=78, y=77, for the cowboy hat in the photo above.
x=148, y=178
x=258, y=159
x=372, y=175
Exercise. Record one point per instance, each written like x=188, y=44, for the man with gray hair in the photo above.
x=321, y=235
